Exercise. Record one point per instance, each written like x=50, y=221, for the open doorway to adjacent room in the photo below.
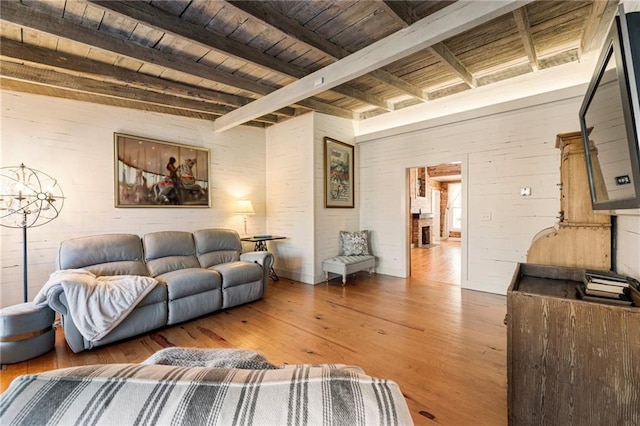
x=435, y=218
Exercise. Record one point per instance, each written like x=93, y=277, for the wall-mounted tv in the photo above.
x=610, y=118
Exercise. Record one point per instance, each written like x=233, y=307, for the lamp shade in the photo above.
x=244, y=207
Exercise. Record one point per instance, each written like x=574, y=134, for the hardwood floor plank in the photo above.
x=445, y=346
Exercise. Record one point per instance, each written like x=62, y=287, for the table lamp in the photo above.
x=28, y=198
x=244, y=208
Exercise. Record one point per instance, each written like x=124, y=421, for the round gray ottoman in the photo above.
x=26, y=331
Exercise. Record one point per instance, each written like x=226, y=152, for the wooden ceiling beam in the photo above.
x=445, y=23
x=403, y=15
x=354, y=93
x=54, y=79
x=444, y=170
x=524, y=28
x=400, y=84
x=268, y=15
x=166, y=22
x=67, y=63
x=440, y=51
x=35, y=55
x=40, y=21
x=401, y=12
x=38, y=89
x=43, y=76
x=600, y=17
x=315, y=105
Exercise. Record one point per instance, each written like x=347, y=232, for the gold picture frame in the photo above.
x=338, y=174
x=154, y=173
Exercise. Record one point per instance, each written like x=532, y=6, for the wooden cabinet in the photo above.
x=582, y=237
x=569, y=361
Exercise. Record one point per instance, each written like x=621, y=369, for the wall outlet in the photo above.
x=486, y=216
x=525, y=192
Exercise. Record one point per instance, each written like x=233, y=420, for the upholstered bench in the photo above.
x=345, y=265
x=26, y=331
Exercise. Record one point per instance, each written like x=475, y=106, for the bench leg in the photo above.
x=344, y=279
x=326, y=276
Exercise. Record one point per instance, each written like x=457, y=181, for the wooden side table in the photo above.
x=569, y=361
x=261, y=245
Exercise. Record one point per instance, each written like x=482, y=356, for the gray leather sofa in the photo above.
x=198, y=273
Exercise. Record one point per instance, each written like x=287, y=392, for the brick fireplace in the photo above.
x=426, y=235
x=422, y=229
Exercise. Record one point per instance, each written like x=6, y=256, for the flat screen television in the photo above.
x=610, y=118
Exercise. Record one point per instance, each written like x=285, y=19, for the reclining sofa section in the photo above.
x=198, y=273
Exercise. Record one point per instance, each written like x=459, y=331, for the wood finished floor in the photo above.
x=444, y=346
x=440, y=262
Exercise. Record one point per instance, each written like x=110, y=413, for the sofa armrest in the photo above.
x=262, y=258
x=57, y=301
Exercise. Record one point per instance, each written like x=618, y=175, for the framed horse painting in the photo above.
x=153, y=173
x=338, y=174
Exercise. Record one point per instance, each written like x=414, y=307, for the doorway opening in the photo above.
x=435, y=218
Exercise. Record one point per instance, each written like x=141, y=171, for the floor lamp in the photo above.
x=28, y=198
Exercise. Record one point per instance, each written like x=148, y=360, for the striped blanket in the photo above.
x=139, y=394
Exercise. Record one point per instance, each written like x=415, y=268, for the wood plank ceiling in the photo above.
x=205, y=59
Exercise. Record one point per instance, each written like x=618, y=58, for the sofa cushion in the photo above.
x=157, y=295
x=168, y=251
x=187, y=282
x=214, y=258
x=109, y=254
x=236, y=273
x=168, y=264
x=215, y=246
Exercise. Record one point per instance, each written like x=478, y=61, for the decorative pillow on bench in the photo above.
x=354, y=243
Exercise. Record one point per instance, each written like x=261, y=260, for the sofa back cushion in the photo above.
x=109, y=254
x=168, y=251
x=216, y=246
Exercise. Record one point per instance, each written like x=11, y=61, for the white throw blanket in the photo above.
x=97, y=304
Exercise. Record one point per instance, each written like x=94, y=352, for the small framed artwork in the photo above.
x=153, y=173
x=338, y=174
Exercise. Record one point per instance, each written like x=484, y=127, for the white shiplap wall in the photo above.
x=290, y=195
x=628, y=241
x=295, y=190
x=501, y=152
x=73, y=142
x=329, y=222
